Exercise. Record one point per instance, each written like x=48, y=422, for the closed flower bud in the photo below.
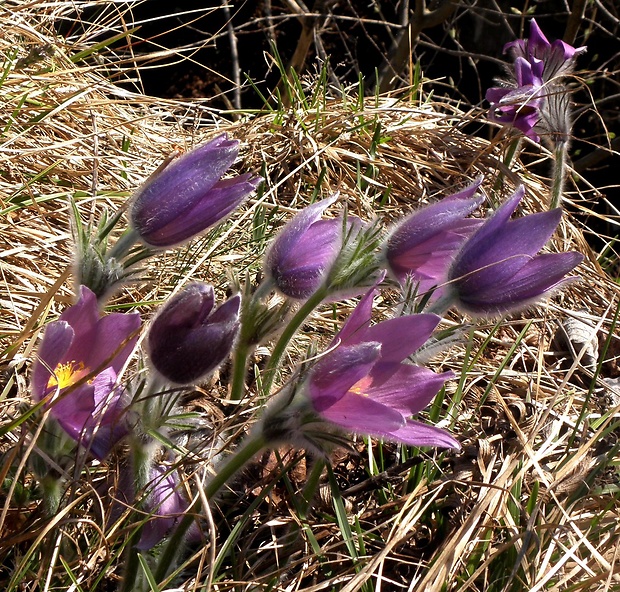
x=188, y=196
x=189, y=338
x=305, y=249
x=498, y=269
x=423, y=245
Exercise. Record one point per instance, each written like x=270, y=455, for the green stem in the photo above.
x=142, y=455
x=252, y=446
x=559, y=174
x=513, y=149
x=52, y=493
x=123, y=244
x=240, y=359
x=441, y=306
x=291, y=328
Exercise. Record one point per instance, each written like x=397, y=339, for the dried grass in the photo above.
x=533, y=496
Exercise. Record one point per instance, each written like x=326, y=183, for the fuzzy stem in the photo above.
x=441, y=306
x=123, y=244
x=52, y=493
x=513, y=150
x=250, y=448
x=280, y=347
x=559, y=174
x=240, y=359
x=142, y=456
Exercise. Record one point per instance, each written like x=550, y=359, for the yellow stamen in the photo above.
x=67, y=374
x=360, y=387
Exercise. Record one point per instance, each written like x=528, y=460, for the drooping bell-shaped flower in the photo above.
x=363, y=384
x=189, y=196
x=190, y=338
x=519, y=104
x=557, y=58
x=165, y=503
x=77, y=366
x=536, y=101
x=301, y=255
x=499, y=269
x=423, y=245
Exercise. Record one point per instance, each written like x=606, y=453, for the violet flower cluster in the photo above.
x=366, y=381
x=536, y=100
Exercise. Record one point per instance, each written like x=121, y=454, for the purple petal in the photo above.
x=355, y=327
x=300, y=272
x=361, y=414
x=538, y=276
x=338, y=371
x=537, y=40
x=416, y=433
x=409, y=390
x=212, y=207
x=102, y=347
x=428, y=262
x=55, y=344
x=401, y=336
x=524, y=236
x=292, y=232
x=181, y=185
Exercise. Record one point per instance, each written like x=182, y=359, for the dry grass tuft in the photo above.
x=531, y=502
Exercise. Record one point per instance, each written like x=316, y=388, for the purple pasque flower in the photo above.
x=519, y=104
x=301, y=255
x=557, y=58
x=363, y=384
x=535, y=100
x=189, y=196
x=499, y=270
x=165, y=503
x=423, y=245
x=80, y=358
x=189, y=337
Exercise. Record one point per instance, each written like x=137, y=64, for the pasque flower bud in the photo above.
x=189, y=338
x=188, y=196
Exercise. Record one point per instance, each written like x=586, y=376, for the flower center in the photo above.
x=67, y=374
x=361, y=386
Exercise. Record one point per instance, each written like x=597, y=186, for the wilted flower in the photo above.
x=188, y=196
x=498, y=268
x=80, y=358
x=535, y=100
x=423, y=245
x=305, y=249
x=188, y=338
x=165, y=503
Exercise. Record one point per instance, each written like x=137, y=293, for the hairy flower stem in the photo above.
x=248, y=450
x=142, y=458
x=123, y=244
x=559, y=173
x=513, y=151
x=280, y=347
x=52, y=492
x=240, y=358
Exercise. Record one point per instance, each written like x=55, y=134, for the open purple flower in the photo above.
x=166, y=504
x=535, y=100
x=498, y=268
x=364, y=386
x=423, y=245
x=557, y=58
x=189, y=338
x=189, y=196
x=302, y=254
x=80, y=358
x=519, y=104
